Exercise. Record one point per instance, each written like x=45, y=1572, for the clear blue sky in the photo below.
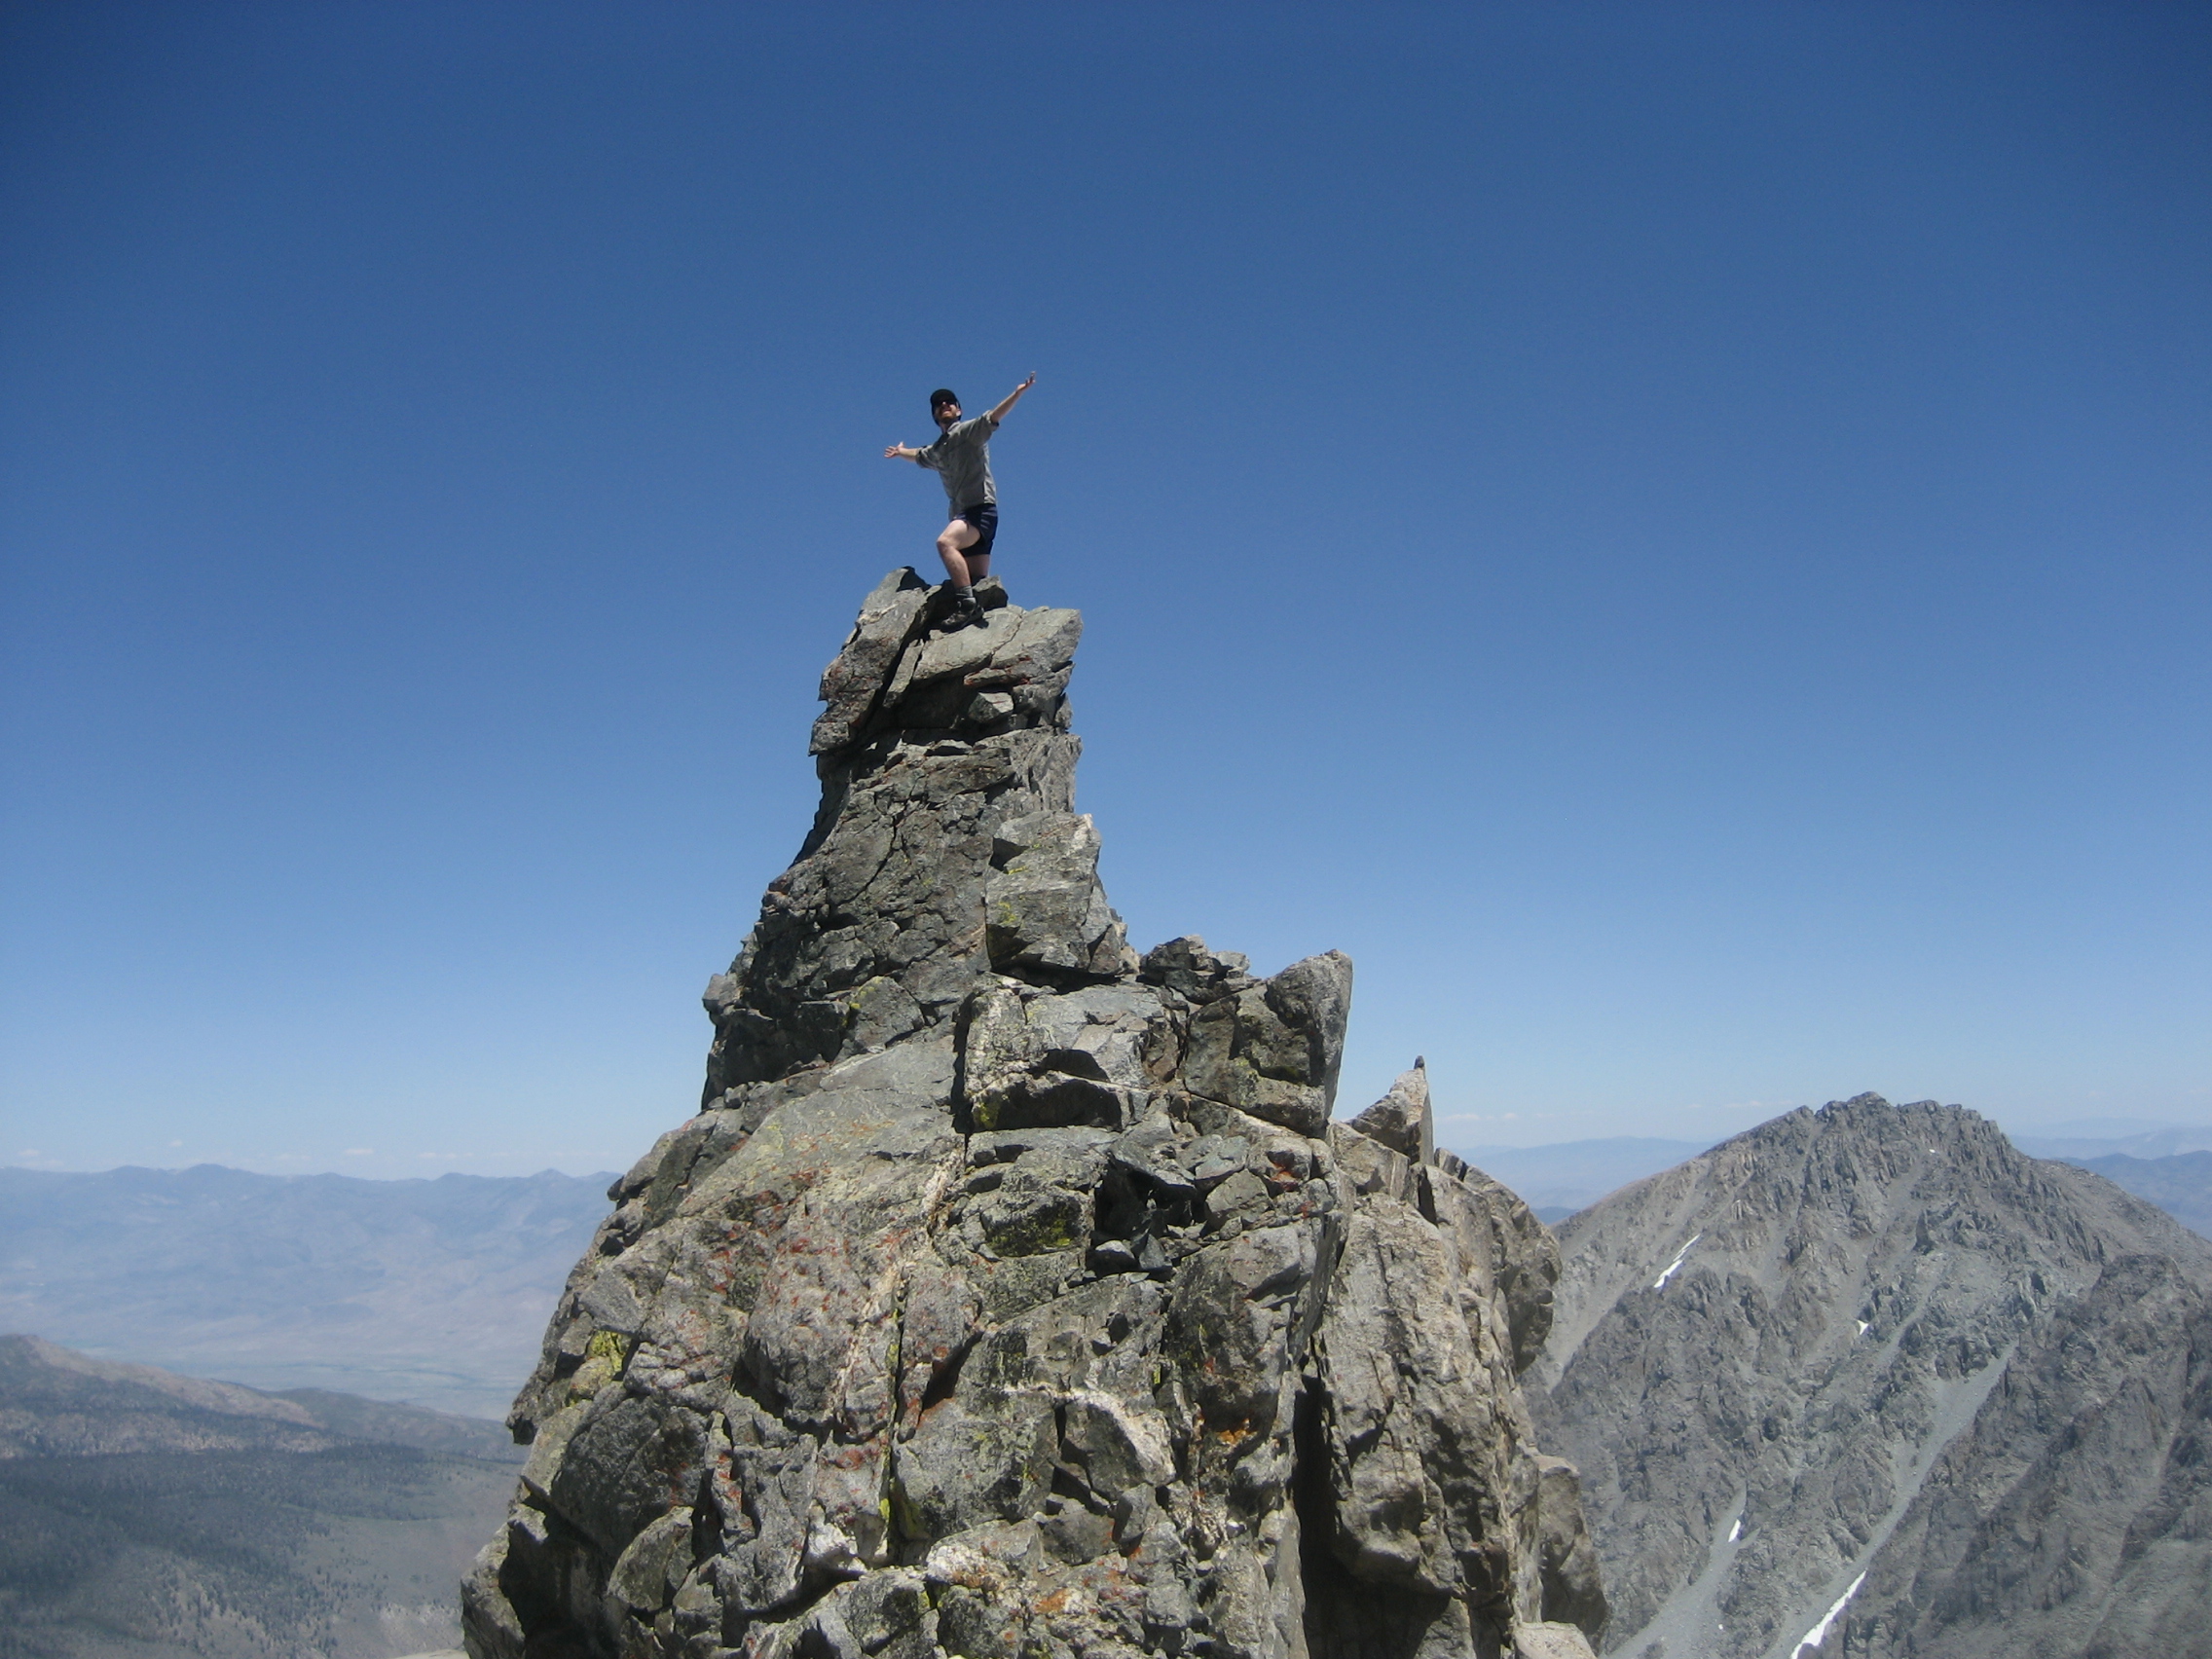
x=1674, y=534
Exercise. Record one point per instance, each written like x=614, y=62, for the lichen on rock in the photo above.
x=1013, y=1295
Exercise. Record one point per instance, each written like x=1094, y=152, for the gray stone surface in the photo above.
x=1574, y=1588
x=1044, y=908
x=1402, y=1120
x=1272, y=1049
x=1197, y=975
x=931, y=743
x=853, y=682
x=1875, y=1345
x=1014, y=1296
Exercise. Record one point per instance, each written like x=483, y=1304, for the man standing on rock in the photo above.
x=961, y=458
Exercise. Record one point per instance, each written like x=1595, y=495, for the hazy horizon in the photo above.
x=2114, y=1130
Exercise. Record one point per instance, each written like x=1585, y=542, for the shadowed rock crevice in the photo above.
x=1013, y=1295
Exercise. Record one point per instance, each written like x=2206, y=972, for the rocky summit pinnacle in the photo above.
x=1013, y=1295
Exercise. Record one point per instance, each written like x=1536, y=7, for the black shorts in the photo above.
x=983, y=519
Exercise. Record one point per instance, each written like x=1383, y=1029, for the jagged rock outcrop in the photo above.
x=1011, y=1295
x=1870, y=1374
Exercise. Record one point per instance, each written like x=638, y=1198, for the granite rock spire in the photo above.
x=1011, y=1293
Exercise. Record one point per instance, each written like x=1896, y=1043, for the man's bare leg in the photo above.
x=951, y=543
x=962, y=572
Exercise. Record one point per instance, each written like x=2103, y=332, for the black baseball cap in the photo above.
x=941, y=396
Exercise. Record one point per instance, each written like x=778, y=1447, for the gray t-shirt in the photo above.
x=961, y=458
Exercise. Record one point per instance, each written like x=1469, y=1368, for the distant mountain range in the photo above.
x=2181, y=1184
x=145, y=1515
x=2101, y=1137
x=1557, y=1180
x=2168, y=1165
x=431, y=1291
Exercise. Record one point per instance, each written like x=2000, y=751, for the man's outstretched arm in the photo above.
x=899, y=452
x=1011, y=398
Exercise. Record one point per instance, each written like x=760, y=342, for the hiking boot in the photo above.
x=958, y=617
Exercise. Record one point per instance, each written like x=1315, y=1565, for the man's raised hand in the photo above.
x=1013, y=397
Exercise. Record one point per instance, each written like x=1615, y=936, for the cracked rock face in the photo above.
x=1014, y=1296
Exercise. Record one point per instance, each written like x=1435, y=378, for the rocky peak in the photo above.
x=1012, y=1294
x=1868, y=1379
x=946, y=847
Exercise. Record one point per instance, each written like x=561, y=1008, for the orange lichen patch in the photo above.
x=1058, y=1601
x=1115, y=1588
x=1234, y=1434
